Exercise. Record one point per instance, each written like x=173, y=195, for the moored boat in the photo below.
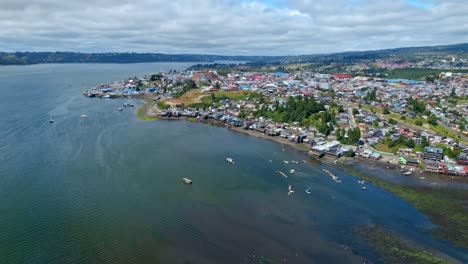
x=230, y=160
x=187, y=180
x=51, y=121
x=308, y=191
x=408, y=173
x=282, y=174
x=292, y=171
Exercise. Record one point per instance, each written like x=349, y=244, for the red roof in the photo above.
x=342, y=76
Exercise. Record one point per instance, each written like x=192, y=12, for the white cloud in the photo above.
x=284, y=27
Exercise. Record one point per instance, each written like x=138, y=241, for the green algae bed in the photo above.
x=446, y=208
x=141, y=112
x=392, y=249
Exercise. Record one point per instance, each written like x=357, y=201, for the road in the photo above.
x=462, y=137
x=352, y=122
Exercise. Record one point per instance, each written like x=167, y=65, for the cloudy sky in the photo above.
x=229, y=27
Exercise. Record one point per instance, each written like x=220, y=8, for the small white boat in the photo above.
x=408, y=173
x=119, y=109
x=106, y=96
x=51, y=121
x=230, y=160
x=422, y=178
x=270, y=160
x=294, y=162
x=292, y=171
x=83, y=116
x=361, y=182
x=282, y=174
x=285, y=161
x=290, y=190
x=187, y=180
x=364, y=188
x=308, y=191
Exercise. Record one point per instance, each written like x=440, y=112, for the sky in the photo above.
x=230, y=27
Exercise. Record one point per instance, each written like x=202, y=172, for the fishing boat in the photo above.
x=270, y=160
x=83, y=116
x=308, y=191
x=292, y=171
x=282, y=174
x=187, y=180
x=128, y=105
x=51, y=121
x=408, y=173
x=230, y=160
x=119, y=109
x=294, y=162
x=285, y=161
x=364, y=188
x=290, y=190
x=361, y=182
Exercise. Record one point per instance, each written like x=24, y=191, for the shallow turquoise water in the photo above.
x=108, y=189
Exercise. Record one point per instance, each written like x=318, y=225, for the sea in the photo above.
x=108, y=188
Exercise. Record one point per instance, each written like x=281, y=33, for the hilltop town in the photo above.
x=421, y=125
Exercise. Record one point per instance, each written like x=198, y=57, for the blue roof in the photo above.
x=279, y=73
x=105, y=90
x=404, y=81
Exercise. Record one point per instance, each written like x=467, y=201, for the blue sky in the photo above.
x=247, y=27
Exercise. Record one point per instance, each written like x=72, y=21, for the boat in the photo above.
x=51, y=121
x=106, y=96
x=230, y=160
x=364, y=188
x=290, y=190
x=187, y=180
x=308, y=191
x=128, y=105
x=83, y=116
x=294, y=162
x=287, y=162
x=408, y=173
x=282, y=174
x=270, y=160
x=90, y=94
x=119, y=109
x=361, y=182
x=292, y=171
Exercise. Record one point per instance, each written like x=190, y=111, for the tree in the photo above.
x=432, y=120
x=217, y=85
x=392, y=121
x=418, y=122
x=355, y=111
x=386, y=110
x=410, y=143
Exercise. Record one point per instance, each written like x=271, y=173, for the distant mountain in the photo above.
x=24, y=58
x=409, y=54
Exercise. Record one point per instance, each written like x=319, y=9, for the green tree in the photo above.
x=355, y=111
x=386, y=110
x=432, y=120
x=392, y=121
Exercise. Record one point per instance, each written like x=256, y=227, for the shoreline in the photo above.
x=147, y=112
x=444, y=206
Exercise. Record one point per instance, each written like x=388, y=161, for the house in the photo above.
x=432, y=153
x=375, y=156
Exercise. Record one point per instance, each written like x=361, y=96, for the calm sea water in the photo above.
x=108, y=189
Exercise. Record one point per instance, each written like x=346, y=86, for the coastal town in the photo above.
x=416, y=126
